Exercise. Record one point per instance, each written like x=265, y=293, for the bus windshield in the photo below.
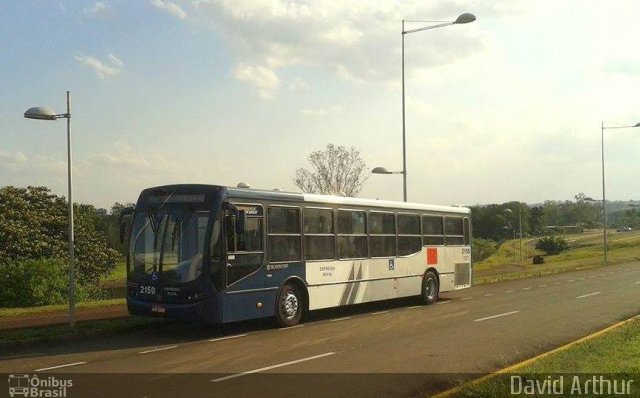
x=168, y=245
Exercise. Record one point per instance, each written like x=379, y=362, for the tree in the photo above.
x=335, y=170
x=536, y=222
x=482, y=248
x=34, y=226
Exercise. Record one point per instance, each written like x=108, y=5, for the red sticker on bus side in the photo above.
x=432, y=256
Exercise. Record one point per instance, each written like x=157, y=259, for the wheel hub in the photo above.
x=431, y=289
x=290, y=305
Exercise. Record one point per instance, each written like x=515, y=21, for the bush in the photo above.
x=32, y=283
x=482, y=248
x=552, y=245
x=538, y=259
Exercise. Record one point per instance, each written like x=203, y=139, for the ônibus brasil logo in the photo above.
x=31, y=386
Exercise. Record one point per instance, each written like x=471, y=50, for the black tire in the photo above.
x=430, y=288
x=289, y=306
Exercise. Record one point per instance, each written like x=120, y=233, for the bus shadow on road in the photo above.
x=171, y=332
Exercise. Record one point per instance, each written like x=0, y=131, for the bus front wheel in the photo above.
x=430, y=288
x=290, y=304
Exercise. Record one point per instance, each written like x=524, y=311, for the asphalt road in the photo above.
x=393, y=349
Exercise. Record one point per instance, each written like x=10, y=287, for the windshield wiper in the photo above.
x=178, y=226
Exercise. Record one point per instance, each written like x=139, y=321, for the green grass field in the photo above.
x=585, y=251
x=613, y=354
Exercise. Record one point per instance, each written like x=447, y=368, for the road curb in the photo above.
x=450, y=392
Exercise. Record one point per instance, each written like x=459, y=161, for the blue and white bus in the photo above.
x=221, y=254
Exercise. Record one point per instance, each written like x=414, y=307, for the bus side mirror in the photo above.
x=123, y=213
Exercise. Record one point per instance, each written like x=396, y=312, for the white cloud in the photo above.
x=298, y=84
x=171, y=7
x=98, y=8
x=357, y=41
x=320, y=111
x=115, y=60
x=122, y=156
x=21, y=166
x=102, y=69
x=12, y=159
x=264, y=78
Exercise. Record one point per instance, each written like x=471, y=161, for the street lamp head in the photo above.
x=380, y=170
x=508, y=211
x=40, y=113
x=465, y=18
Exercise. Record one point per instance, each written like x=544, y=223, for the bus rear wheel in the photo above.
x=289, y=306
x=430, y=288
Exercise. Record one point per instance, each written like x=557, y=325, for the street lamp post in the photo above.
x=462, y=19
x=42, y=113
x=604, y=200
x=520, y=228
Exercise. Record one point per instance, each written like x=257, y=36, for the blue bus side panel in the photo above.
x=245, y=305
x=276, y=276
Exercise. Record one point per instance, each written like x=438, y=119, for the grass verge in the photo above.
x=82, y=330
x=613, y=354
x=6, y=313
x=118, y=276
x=585, y=252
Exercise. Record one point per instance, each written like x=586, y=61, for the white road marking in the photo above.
x=379, y=312
x=340, y=319
x=414, y=306
x=638, y=283
x=489, y=294
x=509, y=291
x=526, y=288
x=592, y=277
x=557, y=283
x=292, y=327
x=588, y=295
x=611, y=273
x=469, y=298
x=443, y=302
x=158, y=349
x=60, y=366
x=542, y=286
x=496, y=316
x=228, y=337
x=326, y=354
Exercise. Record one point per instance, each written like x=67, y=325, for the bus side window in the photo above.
x=284, y=238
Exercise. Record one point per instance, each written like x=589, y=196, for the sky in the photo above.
x=508, y=107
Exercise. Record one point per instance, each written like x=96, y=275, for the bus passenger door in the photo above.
x=244, y=252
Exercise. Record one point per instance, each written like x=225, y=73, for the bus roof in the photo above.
x=250, y=193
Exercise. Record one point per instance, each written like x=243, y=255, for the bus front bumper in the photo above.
x=201, y=311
